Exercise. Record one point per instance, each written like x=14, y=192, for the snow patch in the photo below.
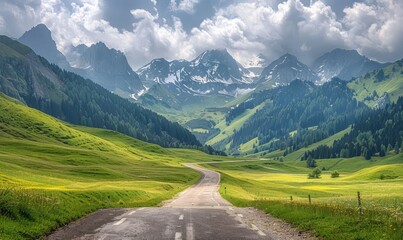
x=199, y=79
x=243, y=91
x=170, y=79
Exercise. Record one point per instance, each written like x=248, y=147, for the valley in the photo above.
x=53, y=172
x=199, y=132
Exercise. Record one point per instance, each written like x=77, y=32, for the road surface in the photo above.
x=199, y=212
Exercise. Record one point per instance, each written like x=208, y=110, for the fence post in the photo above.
x=290, y=198
x=359, y=203
x=309, y=197
x=109, y=200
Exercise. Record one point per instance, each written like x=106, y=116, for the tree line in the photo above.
x=69, y=97
x=375, y=132
x=297, y=115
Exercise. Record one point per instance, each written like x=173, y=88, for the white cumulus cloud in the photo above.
x=246, y=28
x=184, y=5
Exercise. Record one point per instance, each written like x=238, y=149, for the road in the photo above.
x=199, y=212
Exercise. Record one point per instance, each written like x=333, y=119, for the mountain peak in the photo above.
x=288, y=57
x=218, y=51
x=286, y=69
x=162, y=60
x=39, y=32
x=344, y=52
x=41, y=28
x=216, y=55
x=100, y=45
x=107, y=67
x=342, y=63
x=39, y=38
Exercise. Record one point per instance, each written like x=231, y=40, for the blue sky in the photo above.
x=182, y=29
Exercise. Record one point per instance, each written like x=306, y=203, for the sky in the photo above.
x=182, y=29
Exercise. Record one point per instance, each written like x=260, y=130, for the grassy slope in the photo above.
x=247, y=148
x=52, y=172
x=226, y=131
x=268, y=185
x=327, y=141
x=200, y=109
x=392, y=84
x=58, y=172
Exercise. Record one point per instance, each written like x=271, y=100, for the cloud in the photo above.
x=18, y=16
x=183, y=5
x=151, y=39
x=376, y=30
x=251, y=28
x=246, y=28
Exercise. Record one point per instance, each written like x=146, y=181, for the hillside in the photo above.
x=52, y=173
x=69, y=97
x=287, y=118
x=377, y=132
x=381, y=86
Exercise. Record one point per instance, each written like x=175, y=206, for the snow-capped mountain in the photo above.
x=256, y=64
x=218, y=66
x=161, y=71
x=107, y=67
x=39, y=38
x=212, y=72
x=285, y=70
x=344, y=64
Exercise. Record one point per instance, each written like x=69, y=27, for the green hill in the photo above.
x=380, y=85
x=67, y=96
x=52, y=173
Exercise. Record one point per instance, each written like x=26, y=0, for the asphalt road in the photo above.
x=199, y=212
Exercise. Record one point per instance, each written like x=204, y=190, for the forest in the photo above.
x=375, y=132
x=71, y=98
x=311, y=113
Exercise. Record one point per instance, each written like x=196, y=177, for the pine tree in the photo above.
x=382, y=152
x=397, y=148
x=310, y=162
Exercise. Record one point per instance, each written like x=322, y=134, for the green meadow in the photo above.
x=52, y=173
x=283, y=189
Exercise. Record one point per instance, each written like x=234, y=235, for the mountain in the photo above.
x=284, y=70
x=380, y=86
x=289, y=116
x=344, y=64
x=39, y=39
x=213, y=73
x=257, y=64
x=107, y=67
x=217, y=66
x=69, y=97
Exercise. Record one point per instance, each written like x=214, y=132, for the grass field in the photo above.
x=333, y=214
x=364, y=87
x=236, y=124
x=52, y=173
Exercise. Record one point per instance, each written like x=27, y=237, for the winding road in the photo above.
x=199, y=212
